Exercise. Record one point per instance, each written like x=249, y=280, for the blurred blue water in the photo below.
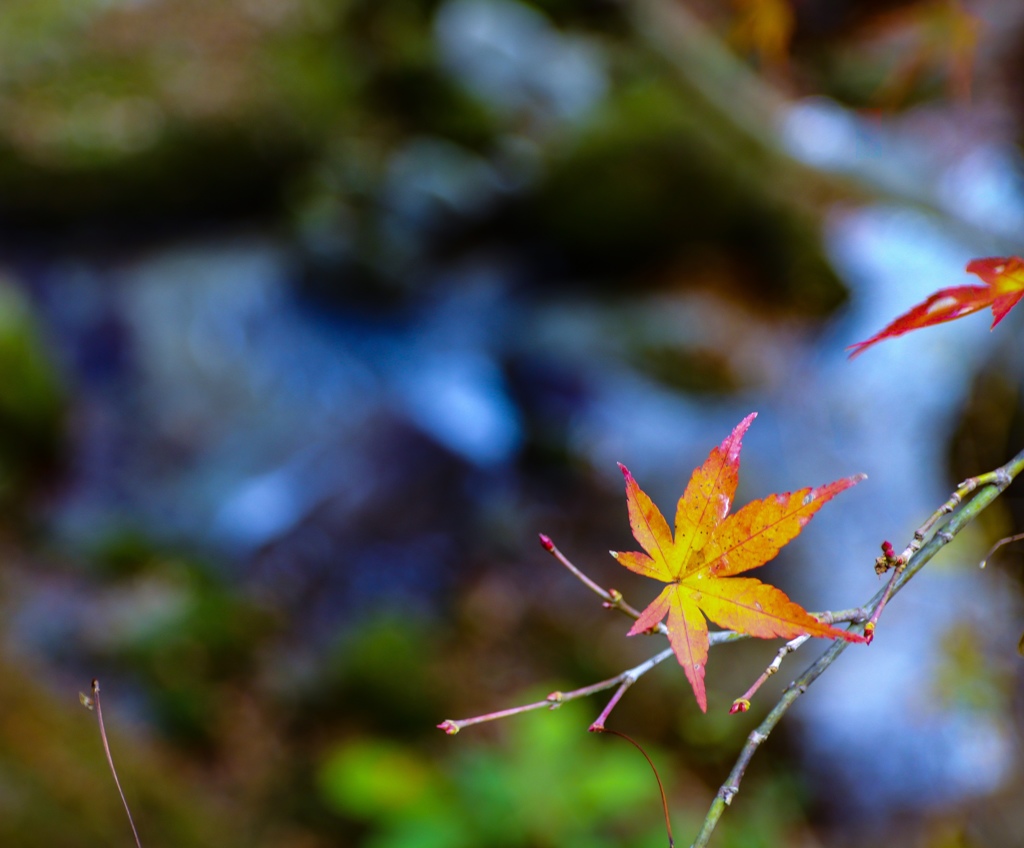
x=248, y=422
x=339, y=453
x=514, y=60
x=896, y=406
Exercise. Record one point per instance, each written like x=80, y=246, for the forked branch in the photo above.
x=960, y=512
x=612, y=599
x=964, y=505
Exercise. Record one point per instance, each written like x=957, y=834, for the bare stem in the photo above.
x=757, y=737
x=742, y=703
x=556, y=699
x=999, y=478
x=887, y=593
x=552, y=549
x=854, y=614
x=857, y=614
x=614, y=600
x=612, y=597
x=95, y=702
x=657, y=777
x=1005, y=541
x=598, y=725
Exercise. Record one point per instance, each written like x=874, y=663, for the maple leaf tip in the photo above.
x=634, y=630
x=858, y=348
x=625, y=471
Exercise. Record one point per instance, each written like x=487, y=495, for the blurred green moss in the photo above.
x=381, y=672
x=549, y=783
x=56, y=788
x=660, y=179
x=186, y=637
x=33, y=403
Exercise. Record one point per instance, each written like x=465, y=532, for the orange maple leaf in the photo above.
x=1004, y=287
x=710, y=546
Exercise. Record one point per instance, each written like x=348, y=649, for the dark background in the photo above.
x=314, y=313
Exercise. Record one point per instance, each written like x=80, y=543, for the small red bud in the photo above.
x=546, y=542
x=869, y=632
x=887, y=549
x=449, y=727
x=740, y=705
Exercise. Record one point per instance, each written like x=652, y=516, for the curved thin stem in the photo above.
x=94, y=701
x=657, y=777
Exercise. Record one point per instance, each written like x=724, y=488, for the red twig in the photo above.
x=556, y=699
x=742, y=704
x=657, y=777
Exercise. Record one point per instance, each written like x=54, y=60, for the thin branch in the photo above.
x=758, y=736
x=742, y=703
x=857, y=615
x=91, y=703
x=898, y=563
x=887, y=593
x=599, y=722
x=918, y=553
x=1005, y=541
x=613, y=600
x=551, y=548
x=985, y=488
x=556, y=699
x=1000, y=478
x=657, y=777
x=612, y=597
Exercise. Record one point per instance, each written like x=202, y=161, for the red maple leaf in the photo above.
x=1004, y=287
x=709, y=548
